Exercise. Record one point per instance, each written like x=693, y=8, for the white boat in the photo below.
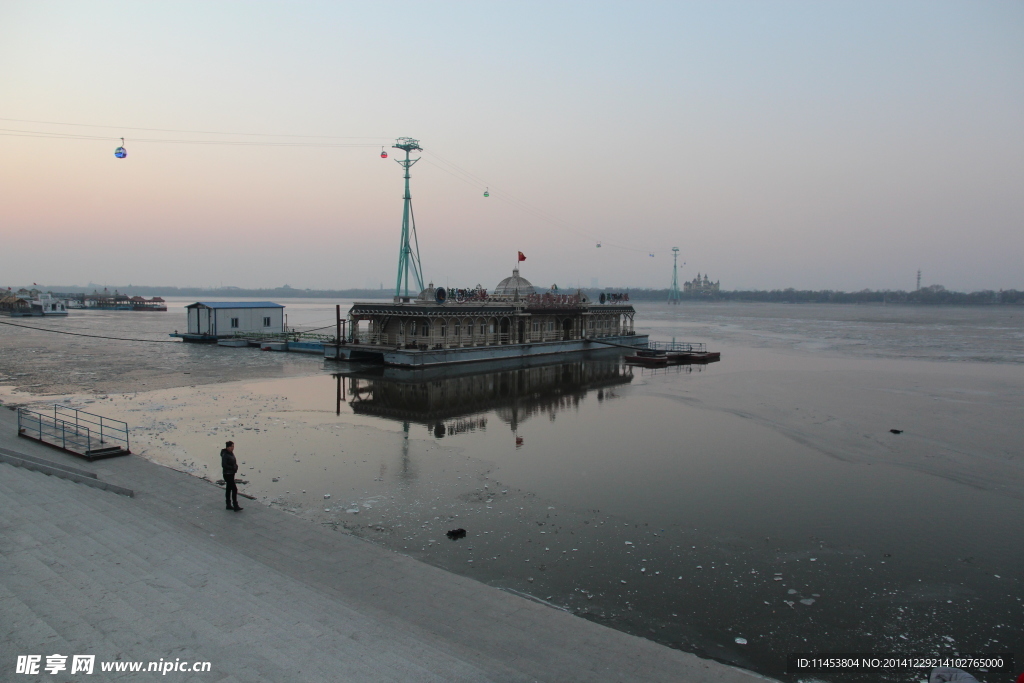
x=47, y=306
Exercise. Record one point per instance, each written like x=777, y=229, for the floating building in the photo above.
x=467, y=325
x=209, y=321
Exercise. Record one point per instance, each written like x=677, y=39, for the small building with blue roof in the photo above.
x=213, y=320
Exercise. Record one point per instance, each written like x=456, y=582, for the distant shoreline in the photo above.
x=935, y=295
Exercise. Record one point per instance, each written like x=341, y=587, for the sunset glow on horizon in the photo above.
x=792, y=144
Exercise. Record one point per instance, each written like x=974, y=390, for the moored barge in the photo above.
x=441, y=327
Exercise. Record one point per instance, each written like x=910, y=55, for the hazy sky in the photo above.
x=805, y=144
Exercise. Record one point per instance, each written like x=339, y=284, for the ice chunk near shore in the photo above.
x=741, y=641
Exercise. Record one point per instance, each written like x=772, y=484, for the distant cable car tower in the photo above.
x=673, y=294
x=409, y=250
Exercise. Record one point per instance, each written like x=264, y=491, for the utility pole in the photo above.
x=673, y=294
x=409, y=249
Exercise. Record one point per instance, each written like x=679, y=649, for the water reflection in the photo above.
x=458, y=401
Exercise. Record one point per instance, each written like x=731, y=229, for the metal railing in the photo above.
x=74, y=430
x=688, y=347
x=432, y=341
x=452, y=341
x=286, y=336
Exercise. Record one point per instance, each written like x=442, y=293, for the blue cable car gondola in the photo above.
x=121, y=152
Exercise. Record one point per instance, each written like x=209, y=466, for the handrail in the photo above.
x=47, y=429
x=691, y=347
x=286, y=336
x=108, y=428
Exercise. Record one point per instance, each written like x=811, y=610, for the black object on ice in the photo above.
x=896, y=431
x=456, y=534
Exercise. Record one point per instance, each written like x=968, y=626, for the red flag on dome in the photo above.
x=522, y=256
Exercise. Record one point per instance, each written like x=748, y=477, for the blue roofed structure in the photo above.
x=213, y=320
x=235, y=304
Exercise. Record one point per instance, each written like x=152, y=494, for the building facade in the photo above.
x=701, y=286
x=515, y=313
x=221, y=319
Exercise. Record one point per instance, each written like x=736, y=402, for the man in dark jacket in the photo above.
x=230, y=466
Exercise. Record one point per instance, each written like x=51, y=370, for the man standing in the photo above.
x=230, y=466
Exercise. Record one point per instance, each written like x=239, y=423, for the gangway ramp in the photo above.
x=74, y=431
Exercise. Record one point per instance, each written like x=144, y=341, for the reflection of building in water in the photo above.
x=446, y=402
x=698, y=286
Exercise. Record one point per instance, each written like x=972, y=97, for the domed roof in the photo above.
x=428, y=293
x=515, y=284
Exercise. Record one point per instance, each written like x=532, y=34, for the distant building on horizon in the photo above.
x=699, y=286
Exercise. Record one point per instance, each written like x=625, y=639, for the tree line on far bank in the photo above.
x=933, y=295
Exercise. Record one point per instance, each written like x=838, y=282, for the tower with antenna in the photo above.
x=409, y=248
x=673, y=294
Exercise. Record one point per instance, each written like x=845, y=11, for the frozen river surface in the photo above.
x=743, y=510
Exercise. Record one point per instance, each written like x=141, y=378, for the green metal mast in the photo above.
x=409, y=251
x=673, y=294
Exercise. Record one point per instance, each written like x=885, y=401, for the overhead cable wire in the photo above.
x=95, y=336
x=9, y=132
x=199, y=132
x=452, y=169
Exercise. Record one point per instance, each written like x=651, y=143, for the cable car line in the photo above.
x=454, y=169
x=8, y=132
x=200, y=132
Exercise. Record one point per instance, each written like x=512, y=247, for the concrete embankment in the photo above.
x=266, y=596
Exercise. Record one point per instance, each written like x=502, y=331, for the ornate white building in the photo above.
x=699, y=286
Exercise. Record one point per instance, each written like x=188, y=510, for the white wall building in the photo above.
x=225, y=318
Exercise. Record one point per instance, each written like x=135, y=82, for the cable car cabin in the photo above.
x=121, y=152
x=213, y=320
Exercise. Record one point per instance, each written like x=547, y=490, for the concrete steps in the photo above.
x=84, y=573
x=266, y=596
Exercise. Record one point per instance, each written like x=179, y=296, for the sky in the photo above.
x=839, y=145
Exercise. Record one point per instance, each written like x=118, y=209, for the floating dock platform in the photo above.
x=425, y=358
